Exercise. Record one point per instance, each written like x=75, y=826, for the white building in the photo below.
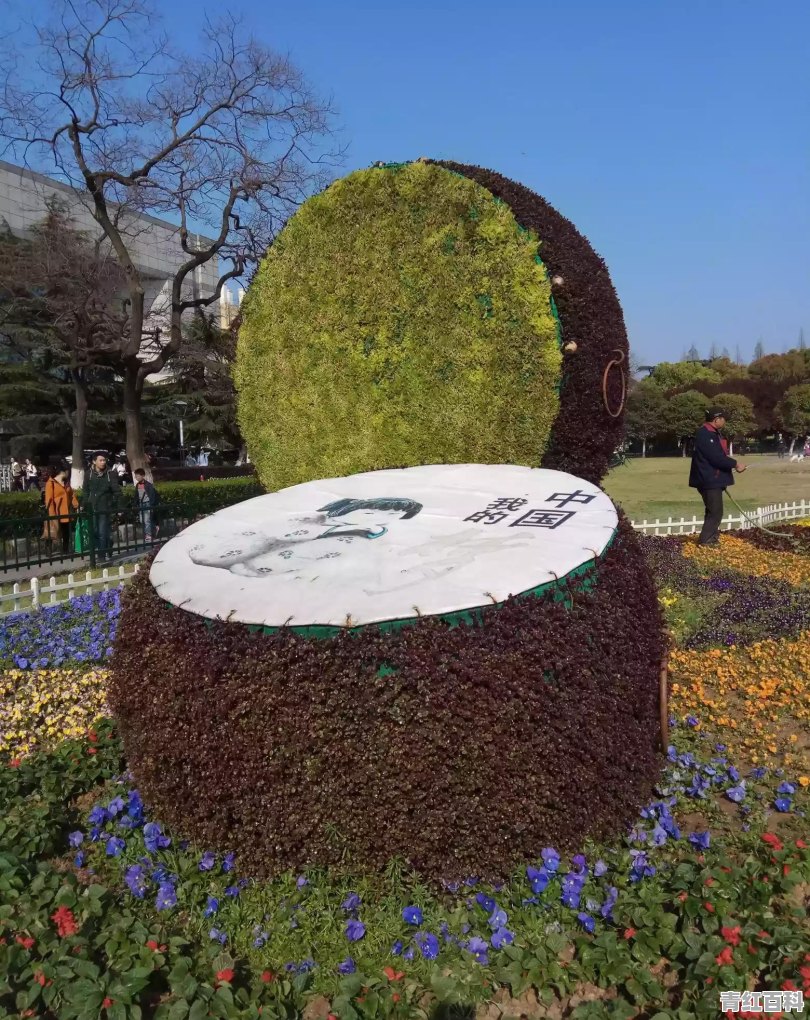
x=153, y=243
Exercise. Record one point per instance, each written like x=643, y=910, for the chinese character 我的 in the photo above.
x=497, y=510
x=543, y=519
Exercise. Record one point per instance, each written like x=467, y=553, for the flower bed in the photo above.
x=751, y=553
x=39, y=708
x=107, y=912
x=68, y=634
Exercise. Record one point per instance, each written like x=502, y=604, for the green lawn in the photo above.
x=658, y=487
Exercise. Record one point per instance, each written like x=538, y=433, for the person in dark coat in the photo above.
x=711, y=472
x=101, y=495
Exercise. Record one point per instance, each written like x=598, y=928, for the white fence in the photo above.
x=41, y=592
x=763, y=515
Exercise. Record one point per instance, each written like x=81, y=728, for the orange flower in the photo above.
x=629, y=932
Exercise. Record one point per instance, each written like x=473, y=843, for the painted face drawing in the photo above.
x=319, y=537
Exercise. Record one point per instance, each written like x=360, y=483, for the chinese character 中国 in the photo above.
x=543, y=519
x=564, y=498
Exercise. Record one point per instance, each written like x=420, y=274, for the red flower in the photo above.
x=708, y=881
x=266, y=977
x=155, y=946
x=772, y=840
x=785, y=869
x=682, y=896
x=725, y=869
x=709, y=907
x=800, y=843
x=629, y=932
x=395, y=997
x=393, y=975
x=26, y=943
x=15, y=763
x=91, y=750
x=752, y=950
x=731, y=935
x=225, y=975
x=92, y=736
x=107, y=1003
x=331, y=1016
x=805, y=973
x=65, y=922
x=39, y=977
x=789, y=986
x=726, y=958
x=763, y=934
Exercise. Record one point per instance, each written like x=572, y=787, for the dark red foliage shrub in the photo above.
x=537, y=727
x=585, y=435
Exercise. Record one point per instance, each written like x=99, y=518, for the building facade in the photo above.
x=153, y=243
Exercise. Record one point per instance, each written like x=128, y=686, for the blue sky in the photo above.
x=676, y=135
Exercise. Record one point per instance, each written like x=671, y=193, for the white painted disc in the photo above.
x=386, y=545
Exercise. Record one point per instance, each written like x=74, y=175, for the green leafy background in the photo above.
x=402, y=317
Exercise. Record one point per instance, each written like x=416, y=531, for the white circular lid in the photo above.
x=386, y=545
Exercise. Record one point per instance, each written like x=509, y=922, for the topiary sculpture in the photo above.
x=451, y=663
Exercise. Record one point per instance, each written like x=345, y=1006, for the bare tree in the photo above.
x=224, y=142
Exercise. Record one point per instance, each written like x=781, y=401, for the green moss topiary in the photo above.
x=402, y=317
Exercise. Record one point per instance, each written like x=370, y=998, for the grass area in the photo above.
x=658, y=487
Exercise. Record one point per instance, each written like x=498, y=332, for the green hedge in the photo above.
x=206, y=497
x=402, y=317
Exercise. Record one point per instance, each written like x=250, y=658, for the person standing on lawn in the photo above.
x=60, y=503
x=711, y=472
x=101, y=496
x=146, y=501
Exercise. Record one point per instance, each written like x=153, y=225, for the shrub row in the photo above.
x=208, y=496
x=584, y=435
x=462, y=750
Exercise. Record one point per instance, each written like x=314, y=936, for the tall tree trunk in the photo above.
x=731, y=447
x=79, y=429
x=792, y=444
x=643, y=447
x=133, y=422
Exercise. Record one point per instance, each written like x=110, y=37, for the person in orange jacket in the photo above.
x=60, y=503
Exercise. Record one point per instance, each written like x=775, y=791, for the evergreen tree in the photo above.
x=759, y=350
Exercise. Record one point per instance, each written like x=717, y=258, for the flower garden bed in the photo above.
x=106, y=912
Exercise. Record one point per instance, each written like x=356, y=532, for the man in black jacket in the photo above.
x=711, y=471
x=101, y=494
